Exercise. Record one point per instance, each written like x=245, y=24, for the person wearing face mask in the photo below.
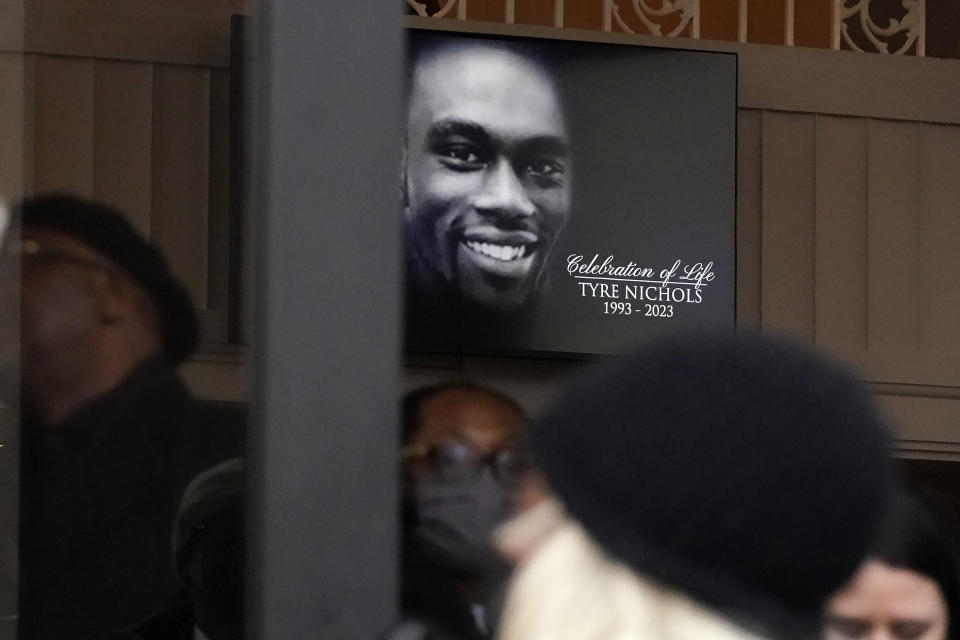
x=462, y=460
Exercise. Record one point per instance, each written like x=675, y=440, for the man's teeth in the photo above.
x=503, y=252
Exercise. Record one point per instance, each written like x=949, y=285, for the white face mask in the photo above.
x=456, y=517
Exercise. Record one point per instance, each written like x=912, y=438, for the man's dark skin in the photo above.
x=110, y=436
x=79, y=313
x=484, y=425
x=486, y=178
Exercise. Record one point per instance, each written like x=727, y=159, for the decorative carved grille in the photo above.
x=856, y=27
x=672, y=15
x=859, y=25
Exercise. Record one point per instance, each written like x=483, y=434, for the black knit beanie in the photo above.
x=216, y=493
x=742, y=471
x=109, y=233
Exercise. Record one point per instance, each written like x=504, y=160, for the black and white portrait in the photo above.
x=498, y=133
x=487, y=174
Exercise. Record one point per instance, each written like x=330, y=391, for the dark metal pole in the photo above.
x=326, y=359
x=9, y=425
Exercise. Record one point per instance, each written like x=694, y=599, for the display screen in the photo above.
x=565, y=197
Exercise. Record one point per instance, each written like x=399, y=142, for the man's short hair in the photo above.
x=414, y=400
x=423, y=46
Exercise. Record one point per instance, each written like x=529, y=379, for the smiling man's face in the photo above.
x=487, y=172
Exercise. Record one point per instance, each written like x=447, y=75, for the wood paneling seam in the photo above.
x=763, y=216
x=925, y=297
x=866, y=235
x=813, y=249
x=93, y=134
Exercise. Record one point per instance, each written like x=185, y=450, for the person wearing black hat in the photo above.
x=711, y=487
x=110, y=436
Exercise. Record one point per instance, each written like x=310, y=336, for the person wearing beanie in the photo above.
x=208, y=554
x=110, y=436
x=711, y=487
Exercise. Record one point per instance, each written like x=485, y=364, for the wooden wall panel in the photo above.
x=181, y=179
x=12, y=126
x=841, y=231
x=923, y=424
x=29, y=122
x=123, y=111
x=940, y=239
x=63, y=112
x=219, y=377
x=907, y=367
x=174, y=31
x=218, y=281
x=12, y=25
x=893, y=190
x=787, y=283
x=748, y=217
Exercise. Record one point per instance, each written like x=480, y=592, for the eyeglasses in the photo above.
x=456, y=461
